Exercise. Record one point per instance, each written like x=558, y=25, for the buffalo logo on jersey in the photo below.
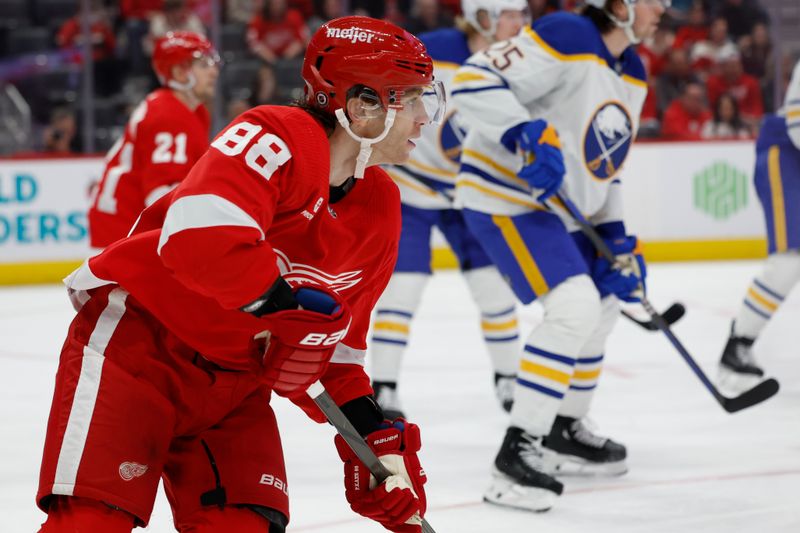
x=451, y=137
x=607, y=140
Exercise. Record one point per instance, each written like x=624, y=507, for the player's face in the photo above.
x=648, y=15
x=206, y=72
x=396, y=147
x=509, y=23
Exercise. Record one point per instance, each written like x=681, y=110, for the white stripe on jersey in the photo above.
x=346, y=355
x=203, y=211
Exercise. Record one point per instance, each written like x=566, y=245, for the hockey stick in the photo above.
x=763, y=391
x=673, y=313
x=349, y=433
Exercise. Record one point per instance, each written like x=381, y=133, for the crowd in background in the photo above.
x=710, y=67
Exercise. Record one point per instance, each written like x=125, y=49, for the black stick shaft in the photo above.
x=349, y=433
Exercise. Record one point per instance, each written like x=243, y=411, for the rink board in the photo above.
x=686, y=201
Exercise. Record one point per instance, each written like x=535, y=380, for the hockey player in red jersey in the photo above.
x=166, y=134
x=256, y=274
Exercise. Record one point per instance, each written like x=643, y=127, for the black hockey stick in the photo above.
x=356, y=442
x=764, y=390
x=673, y=313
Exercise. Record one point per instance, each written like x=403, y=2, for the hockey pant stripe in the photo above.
x=521, y=253
x=80, y=416
x=778, y=208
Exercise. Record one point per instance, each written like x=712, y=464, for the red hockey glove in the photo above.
x=398, y=504
x=301, y=342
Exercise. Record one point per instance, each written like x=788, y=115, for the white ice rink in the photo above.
x=693, y=467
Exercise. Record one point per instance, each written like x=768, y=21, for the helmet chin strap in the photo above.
x=366, y=144
x=626, y=25
x=178, y=86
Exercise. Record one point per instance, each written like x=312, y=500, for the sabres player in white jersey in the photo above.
x=777, y=181
x=427, y=189
x=556, y=107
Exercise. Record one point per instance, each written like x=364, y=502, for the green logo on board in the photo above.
x=720, y=190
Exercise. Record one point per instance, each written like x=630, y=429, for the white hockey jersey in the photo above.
x=558, y=70
x=428, y=179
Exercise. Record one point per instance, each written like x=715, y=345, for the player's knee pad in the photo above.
x=781, y=272
x=404, y=292
x=489, y=291
x=68, y=513
x=242, y=519
x=573, y=307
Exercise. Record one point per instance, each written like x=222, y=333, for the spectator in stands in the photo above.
x=744, y=88
x=59, y=136
x=756, y=51
x=136, y=17
x=741, y=15
x=653, y=52
x=176, y=16
x=695, y=30
x=427, y=16
x=106, y=80
x=265, y=87
x=726, y=124
x=676, y=74
x=704, y=53
x=540, y=8
x=241, y=11
x=277, y=32
x=325, y=10
x=686, y=116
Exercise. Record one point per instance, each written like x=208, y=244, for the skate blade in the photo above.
x=505, y=492
x=732, y=383
x=571, y=466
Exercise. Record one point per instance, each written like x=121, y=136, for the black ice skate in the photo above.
x=504, y=390
x=582, y=453
x=518, y=477
x=738, y=370
x=388, y=399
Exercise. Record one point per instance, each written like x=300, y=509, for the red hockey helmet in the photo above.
x=180, y=48
x=350, y=51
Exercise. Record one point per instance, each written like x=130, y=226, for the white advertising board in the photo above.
x=43, y=207
x=692, y=191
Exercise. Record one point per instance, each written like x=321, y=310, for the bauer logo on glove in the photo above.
x=300, y=342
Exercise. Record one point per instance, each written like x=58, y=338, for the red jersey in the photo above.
x=162, y=140
x=257, y=206
x=277, y=35
x=679, y=125
x=744, y=89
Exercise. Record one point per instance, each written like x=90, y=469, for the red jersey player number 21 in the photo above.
x=256, y=274
x=165, y=135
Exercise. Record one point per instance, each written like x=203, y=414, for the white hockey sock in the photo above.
x=498, y=317
x=571, y=313
x=766, y=293
x=391, y=325
x=589, y=364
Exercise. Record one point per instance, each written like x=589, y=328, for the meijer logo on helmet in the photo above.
x=356, y=35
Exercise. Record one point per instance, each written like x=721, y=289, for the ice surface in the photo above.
x=693, y=467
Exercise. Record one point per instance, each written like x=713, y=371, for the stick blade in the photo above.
x=763, y=391
x=674, y=313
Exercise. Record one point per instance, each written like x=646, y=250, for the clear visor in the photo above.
x=208, y=59
x=429, y=100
